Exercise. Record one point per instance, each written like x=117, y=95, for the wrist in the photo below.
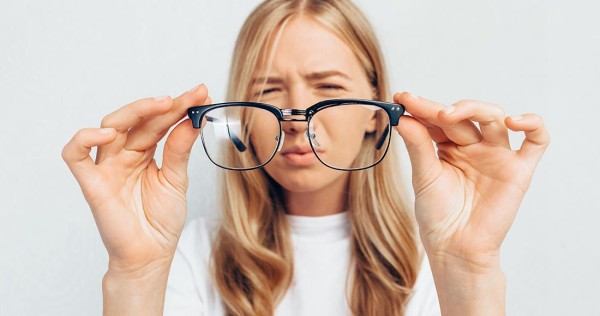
x=135, y=292
x=469, y=287
x=136, y=284
x=124, y=271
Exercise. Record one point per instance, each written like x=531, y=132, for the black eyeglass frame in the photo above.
x=393, y=110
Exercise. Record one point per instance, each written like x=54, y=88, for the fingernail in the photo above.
x=194, y=89
x=106, y=131
x=449, y=110
x=411, y=95
x=162, y=98
x=517, y=118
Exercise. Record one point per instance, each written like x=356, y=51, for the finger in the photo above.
x=436, y=133
x=462, y=133
x=127, y=117
x=76, y=152
x=537, y=138
x=176, y=153
x=420, y=149
x=489, y=116
x=154, y=129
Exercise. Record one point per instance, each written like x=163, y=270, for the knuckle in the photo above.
x=543, y=137
x=67, y=150
x=151, y=100
x=169, y=101
x=107, y=121
x=545, y=134
x=547, y=139
x=543, y=140
x=469, y=103
x=65, y=153
x=463, y=103
x=497, y=110
x=79, y=136
x=490, y=111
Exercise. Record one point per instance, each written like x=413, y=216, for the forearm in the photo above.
x=465, y=292
x=134, y=294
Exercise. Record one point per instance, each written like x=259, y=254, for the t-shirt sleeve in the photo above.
x=188, y=276
x=424, y=301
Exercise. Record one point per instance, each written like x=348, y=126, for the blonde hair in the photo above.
x=253, y=255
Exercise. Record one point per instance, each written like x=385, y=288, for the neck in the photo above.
x=325, y=201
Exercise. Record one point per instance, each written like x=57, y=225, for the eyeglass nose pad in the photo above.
x=311, y=137
x=281, y=139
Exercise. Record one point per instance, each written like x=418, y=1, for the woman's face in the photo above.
x=311, y=64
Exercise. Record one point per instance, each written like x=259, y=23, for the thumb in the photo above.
x=419, y=146
x=176, y=153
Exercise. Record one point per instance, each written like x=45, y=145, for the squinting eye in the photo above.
x=330, y=87
x=267, y=91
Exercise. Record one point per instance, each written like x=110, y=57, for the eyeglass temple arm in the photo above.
x=382, y=138
x=234, y=138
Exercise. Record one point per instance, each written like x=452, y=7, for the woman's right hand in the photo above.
x=139, y=209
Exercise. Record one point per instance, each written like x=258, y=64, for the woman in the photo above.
x=256, y=260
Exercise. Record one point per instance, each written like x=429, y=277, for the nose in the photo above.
x=296, y=99
x=294, y=127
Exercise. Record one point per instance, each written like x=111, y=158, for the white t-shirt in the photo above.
x=321, y=259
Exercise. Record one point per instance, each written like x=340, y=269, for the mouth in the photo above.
x=300, y=156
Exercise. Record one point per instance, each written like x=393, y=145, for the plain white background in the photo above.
x=65, y=64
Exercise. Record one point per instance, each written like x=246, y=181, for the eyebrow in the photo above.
x=326, y=74
x=317, y=75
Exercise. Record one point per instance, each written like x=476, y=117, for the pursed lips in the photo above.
x=300, y=150
x=300, y=155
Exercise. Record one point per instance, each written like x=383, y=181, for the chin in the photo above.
x=305, y=180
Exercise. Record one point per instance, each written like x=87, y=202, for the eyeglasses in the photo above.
x=343, y=134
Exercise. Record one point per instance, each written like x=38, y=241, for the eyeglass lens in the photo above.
x=240, y=137
x=350, y=136
x=347, y=137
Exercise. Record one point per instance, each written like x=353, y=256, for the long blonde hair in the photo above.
x=253, y=255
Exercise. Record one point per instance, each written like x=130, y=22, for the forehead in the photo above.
x=306, y=46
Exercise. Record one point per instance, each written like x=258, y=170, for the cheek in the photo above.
x=263, y=131
x=345, y=129
x=343, y=135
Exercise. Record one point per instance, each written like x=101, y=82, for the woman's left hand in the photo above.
x=467, y=196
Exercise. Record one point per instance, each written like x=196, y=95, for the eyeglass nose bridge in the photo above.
x=294, y=112
x=310, y=136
